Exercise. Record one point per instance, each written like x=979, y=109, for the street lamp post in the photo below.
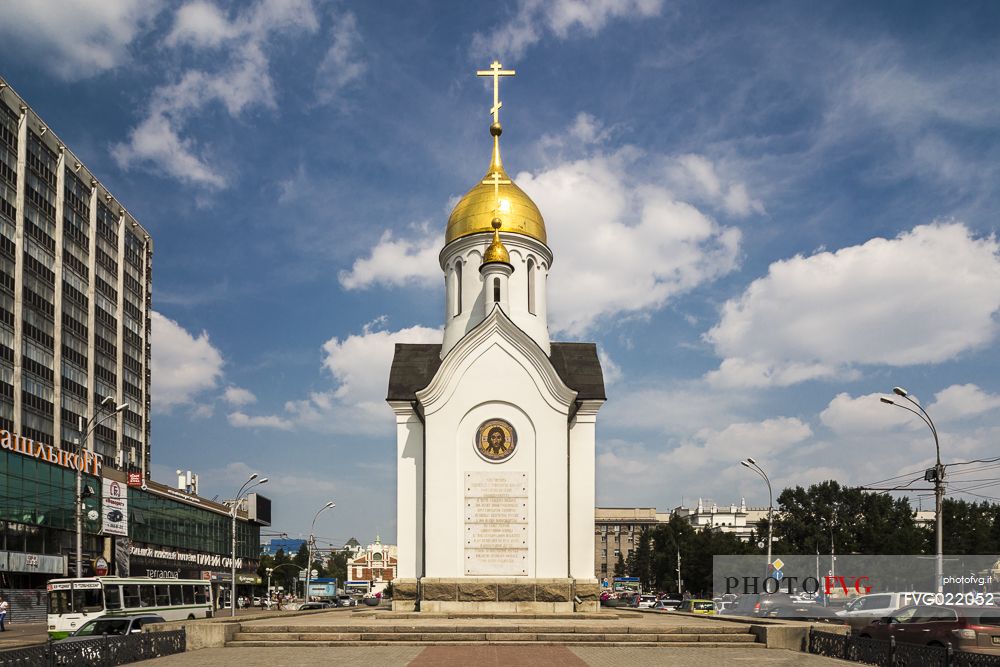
x=85, y=432
x=750, y=463
x=277, y=567
x=232, y=514
x=269, y=570
x=309, y=545
x=938, y=477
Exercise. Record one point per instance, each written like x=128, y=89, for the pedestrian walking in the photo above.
x=4, y=607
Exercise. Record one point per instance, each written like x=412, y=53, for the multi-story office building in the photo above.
x=75, y=294
x=616, y=532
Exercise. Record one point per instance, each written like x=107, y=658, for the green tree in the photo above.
x=301, y=557
x=848, y=520
x=619, y=570
x=337, y=566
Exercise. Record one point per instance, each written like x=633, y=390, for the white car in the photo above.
x=646, y=601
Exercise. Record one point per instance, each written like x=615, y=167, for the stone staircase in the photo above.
x=493, y=631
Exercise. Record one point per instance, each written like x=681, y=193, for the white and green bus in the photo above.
x=73, y=602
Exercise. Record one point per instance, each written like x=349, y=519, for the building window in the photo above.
x=496, y=290
x=531, y=286
x=458, y=288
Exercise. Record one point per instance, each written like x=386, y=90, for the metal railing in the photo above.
x=104, y=651
x=892, y=653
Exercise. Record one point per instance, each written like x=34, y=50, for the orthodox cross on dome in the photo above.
x=496, y=71
x=496, y=182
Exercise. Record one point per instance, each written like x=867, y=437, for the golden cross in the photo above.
x=496, y=182
x=496, y=72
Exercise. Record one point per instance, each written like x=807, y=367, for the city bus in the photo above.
x=73, y=602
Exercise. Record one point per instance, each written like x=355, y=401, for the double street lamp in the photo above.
x=99, y=418
x=935, y=474
x=247, y=485
x=270, y=571
x=752, y=465
x=312, y=541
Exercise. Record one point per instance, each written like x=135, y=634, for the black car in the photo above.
x=115, y=516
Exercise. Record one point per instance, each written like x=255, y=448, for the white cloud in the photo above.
x=847, y=415
x=535, y=18
x=962, y=401
x=241, y=420
x=397, y=262
x=359, y=364
x=612, y=371
x=77, y=39
x=238, y=396
x=341, y=65
x=183, y=365
x=697, y=177
x=200, y=24
x=710, y=456
x=241, y=80
x=625, y=244
x=926, y=296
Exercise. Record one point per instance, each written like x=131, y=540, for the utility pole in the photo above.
x=935, y=474
x=680, y=582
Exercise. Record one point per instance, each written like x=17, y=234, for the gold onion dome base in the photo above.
x=496, y=196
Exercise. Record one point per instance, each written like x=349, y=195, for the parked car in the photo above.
x=314, y=605
x=113, y=625
x=861, y=611
x=702, y=607
x=805, y=611
x=667, y=604
x=973, y=629
x=758, y=605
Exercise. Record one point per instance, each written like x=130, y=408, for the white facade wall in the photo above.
x=582, y=461
x=409, y=490
x=495, y=376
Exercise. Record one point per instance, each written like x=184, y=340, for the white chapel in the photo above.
x=496, y=424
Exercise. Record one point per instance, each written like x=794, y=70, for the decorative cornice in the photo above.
x=496, y=325
x=481, y=240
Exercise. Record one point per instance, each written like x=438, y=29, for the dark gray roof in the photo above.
x=578, y=366
x=414, y=366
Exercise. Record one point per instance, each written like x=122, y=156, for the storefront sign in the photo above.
x=135, y=479
x=208, y=560
x=115, y=509
x=14, y=561
x=101, y=567
x=87, y=461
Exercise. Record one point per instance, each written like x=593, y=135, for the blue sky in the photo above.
x=764, y=213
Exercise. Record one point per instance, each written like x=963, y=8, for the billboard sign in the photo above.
x=115, y=508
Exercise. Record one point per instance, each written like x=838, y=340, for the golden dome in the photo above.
x=495, y=196
x=496, y=252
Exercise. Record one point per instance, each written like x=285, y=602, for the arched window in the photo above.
x=458, y=288
x=531, y=286
x=496, y=290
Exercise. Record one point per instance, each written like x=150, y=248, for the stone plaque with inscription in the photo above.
x=496, y=523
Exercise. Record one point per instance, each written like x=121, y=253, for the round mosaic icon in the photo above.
x=496, y=440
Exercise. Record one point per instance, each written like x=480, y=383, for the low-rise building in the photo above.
x=372, y=569
x=740, y=520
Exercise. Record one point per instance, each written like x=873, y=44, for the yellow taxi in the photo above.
x=703, y=607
